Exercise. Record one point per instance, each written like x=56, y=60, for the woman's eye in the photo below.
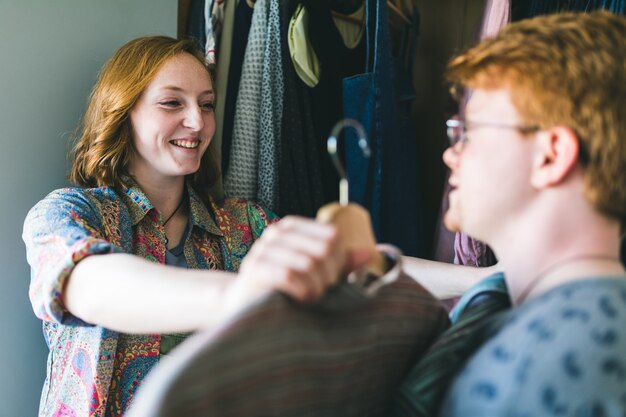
x=170, y=103
x=210, y=106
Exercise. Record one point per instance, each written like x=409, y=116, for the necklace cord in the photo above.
x=539, y=278
x=175, y=210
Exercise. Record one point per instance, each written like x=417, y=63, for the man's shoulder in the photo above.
x=583, y=316
x=562, y=351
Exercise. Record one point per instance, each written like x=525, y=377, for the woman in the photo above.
x=143, y=165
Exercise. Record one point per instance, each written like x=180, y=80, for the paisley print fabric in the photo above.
x=93, y=371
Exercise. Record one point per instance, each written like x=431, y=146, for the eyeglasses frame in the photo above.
x=461, y=137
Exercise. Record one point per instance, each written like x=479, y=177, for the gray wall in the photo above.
x=50, y=52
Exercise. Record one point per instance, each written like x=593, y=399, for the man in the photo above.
x=537, y=170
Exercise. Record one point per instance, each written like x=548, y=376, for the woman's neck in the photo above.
x=164, y=194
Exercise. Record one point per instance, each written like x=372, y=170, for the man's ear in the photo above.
x=556, y=154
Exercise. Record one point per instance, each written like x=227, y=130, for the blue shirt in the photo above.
x=562, y=353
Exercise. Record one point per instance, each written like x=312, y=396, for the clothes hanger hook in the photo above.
x=331, y=146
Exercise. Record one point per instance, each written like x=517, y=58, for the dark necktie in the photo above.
x=424, y=388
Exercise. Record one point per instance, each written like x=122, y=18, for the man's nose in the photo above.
x=451, y=157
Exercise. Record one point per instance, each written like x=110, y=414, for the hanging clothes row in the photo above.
x=294, y=68
x=319, y=50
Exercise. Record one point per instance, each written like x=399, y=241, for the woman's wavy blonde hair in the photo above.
x=103, y=143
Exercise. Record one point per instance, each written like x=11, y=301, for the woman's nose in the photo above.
x=193, y=118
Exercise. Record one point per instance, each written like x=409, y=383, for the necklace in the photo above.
x=182, y=199
x=539, y=278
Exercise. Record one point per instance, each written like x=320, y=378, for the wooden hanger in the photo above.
x=352, y=221
x=347, y=18
x=394, y=10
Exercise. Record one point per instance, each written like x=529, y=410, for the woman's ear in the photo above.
x=556, y=154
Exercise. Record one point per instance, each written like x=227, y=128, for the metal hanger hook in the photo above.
x=331, y=146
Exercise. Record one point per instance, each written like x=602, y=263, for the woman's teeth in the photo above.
x=186, y=144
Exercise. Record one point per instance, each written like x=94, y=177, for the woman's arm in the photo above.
x=129, y=294
x=126, y=293
x=445, y=280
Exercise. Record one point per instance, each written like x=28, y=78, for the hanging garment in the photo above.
x=308, y=178
x=616, y=6
x=350, y=27
x=407, y=38
x=497, y=15
x=444, y=245
x=256, y=131
x=241, y=177
x=469, y=251
x=371, y=99
x=239, y=40
x=527, y=9
x=363, y=102
x=342, y=357
x=303, y=57
x=271, y=113
x=214, y=22
x=300, y=179
x=221, y=75
x=403, y=212
x=194, y=27
x=337, y=62
x=478, y=316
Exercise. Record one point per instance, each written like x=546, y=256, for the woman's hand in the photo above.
x=299, y=257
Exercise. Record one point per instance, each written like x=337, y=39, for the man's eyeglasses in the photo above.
x=457, y=129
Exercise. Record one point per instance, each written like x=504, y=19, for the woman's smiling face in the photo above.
x=173, y=120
